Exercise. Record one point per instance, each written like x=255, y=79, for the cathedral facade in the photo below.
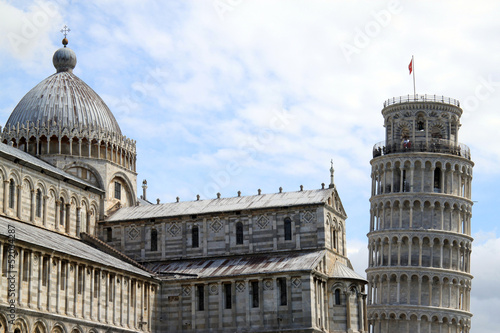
x=81, y=253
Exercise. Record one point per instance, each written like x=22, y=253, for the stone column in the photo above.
x=58, y=214
x=33, y=205
x=44, y=213
x=40, y=271
x=106, y=301
x=420, y=252
x=430, y=292
x=122, y=281
x=68, y=217
x=410, y=241
x=360, y=311
x=398, y=294
x=75, y=292
x=30, y=276
x=348, y=310
x=78, y=220
x=58, y=284
x=365, y=314
x=49, y=282
x=66, y=289
x=114, y=297
x=84, y=289
x=20, y=274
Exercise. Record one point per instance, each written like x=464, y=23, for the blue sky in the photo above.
x=229, y=95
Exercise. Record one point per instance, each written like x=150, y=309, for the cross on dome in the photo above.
x=65, y=30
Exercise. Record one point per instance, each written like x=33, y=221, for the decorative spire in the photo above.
x=65, y=31
x=144, y=188
x=332, y=185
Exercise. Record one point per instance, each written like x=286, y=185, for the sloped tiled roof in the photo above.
x=239, y=265
x=341, y=271
x=64, y=245
x=35, y=163
x=222, y=204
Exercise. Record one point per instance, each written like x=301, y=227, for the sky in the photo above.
x=240, y=95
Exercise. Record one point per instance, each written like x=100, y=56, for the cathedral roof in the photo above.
x=35, y=163
x=55, y=242
x=308, y=197
x=64, y=100
x=341, y=271
x=239, y=265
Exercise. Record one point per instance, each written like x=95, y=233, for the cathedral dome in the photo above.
x=64, y=100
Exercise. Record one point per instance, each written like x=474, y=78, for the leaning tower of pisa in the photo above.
x=420, y=220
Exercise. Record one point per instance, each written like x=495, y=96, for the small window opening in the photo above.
x=200, y=290
x=255, y=294
x=283, y=291
x=154, y=240
x=337, y=296
x=195, y=236
x=118, y=191
x=239, y=233
x=228, y=296
x=288, y=229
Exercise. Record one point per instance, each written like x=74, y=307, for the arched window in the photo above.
x=195, y=236
x=12, y=193
x=38, y=203
x=239, y=233
x=154, y=240
x=288, y=229
x=337, y=296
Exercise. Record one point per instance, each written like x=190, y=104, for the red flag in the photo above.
x=410, y=66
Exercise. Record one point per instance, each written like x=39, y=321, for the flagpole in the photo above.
x=413, y=70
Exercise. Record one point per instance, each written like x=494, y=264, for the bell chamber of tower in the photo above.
x=420, y=220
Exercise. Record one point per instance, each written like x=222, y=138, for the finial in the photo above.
x=281, y=189
x=177, y=199
x=259, y=191
x=197, y=197
x=65, y=31
x=239, y=193
x=322, y=186
x=144, y=188
x=302, y=187
x=158, y=201
x=218, y=195
x=331, y=175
